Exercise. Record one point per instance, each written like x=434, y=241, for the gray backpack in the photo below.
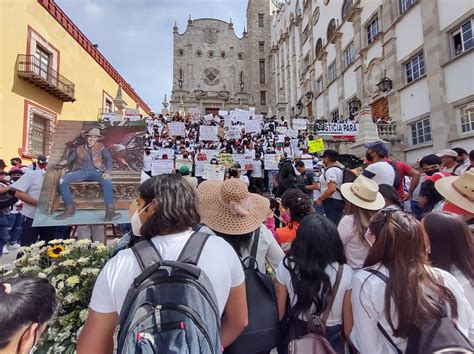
x=171, y=306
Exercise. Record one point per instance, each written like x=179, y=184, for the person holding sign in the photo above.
x=236, y=172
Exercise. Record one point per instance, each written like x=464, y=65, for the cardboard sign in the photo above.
x=345, y=129
x=316, y=145
x=208, y=133
x=270, y=161
x=245, y=160
x=159, y=167
x=233, y=132
x=194, y=113
x=176, y=129
x=213, y=172
x=253, y=126
x=132, y=113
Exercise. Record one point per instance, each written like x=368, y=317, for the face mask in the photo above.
x=15, y=179
x=369, y=157
x=178, y=142
x=147, y=152
x=136, y=222
x=431, y=172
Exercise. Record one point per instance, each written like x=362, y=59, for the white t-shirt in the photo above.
x=218, y=260
x=245, y=179
x=257, y=171
x=30, y=183
x=147, y=162
x=368, y=308
x=332, y=174
x=335, y=315
x=465, y=284
x=384, y=172
x=355, y=249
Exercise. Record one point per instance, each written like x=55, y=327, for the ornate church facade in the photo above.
x=214, y=69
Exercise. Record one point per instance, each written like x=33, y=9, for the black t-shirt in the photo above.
x=307, y=179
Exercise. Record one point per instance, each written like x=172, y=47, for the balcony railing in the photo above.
x=30, y=68
x=387, y=131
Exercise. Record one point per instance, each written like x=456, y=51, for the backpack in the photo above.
x=347, y=175
x=262, y=333
x=397, y=182
x=171, y=306
x=436, y=336
x=315, y=342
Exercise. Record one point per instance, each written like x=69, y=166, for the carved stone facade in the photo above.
x=215, y=69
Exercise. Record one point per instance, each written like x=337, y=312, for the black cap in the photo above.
x=331, y=154
x=42, y=159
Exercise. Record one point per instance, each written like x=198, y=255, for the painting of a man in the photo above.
x=90, y=162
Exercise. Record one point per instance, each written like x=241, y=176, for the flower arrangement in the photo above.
x=72, y=268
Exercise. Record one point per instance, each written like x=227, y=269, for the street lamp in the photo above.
x=385, y=83
x=354, y=105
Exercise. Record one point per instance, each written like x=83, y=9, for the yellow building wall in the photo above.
x=76, y=65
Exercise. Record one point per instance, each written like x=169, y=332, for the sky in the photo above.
x=136, y=36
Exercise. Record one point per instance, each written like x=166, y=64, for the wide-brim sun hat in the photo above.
x=94, y=132
x=364, y=193
x=229, y=208
x=458, y=190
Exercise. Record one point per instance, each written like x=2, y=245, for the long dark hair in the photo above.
x=286, y=171
x=176, y=206
x=432, y=196
x=298, y=203
x=30, y=300
x=400, y=247
x=450, y=242
x=238, y=242
x=317, y=244
x=390, y=194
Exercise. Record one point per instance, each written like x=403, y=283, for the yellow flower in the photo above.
x=55, y=251
x=73, y=280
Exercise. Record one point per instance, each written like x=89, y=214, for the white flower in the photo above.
x=42, y=275
x=34, y=258
x=101, y=247
x=66, y=252
x=38, y=244
x=68, y=241
x=93, y=271
x=73, y=280
x=48, y=270
x=28, y=269
x=24, y=249
x=68, y=263
x=60, y=277
x=83, y=242
x=55, y=242
x=83, y=315
x=83, y=260
x=70, y=298
x=60, y=285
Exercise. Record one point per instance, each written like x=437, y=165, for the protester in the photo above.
x=236, y=172
x=399, y=297
x=7, y=199
x=463, y=161
x=379, y=170
x=363, y=201
x=26, y=306
x=172, y=213
x=286, y=177
x=16, y=162
x=308, y=276
x=257, y=174
x=391, y=197
x=15, y=217
x=430, y=199
x=3, y=165
x=307, y=179
x=449, y=159
x=186, y=174
x=451, y=248
x=331, y=181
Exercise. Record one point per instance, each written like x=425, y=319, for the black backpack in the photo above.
x=262, y=331
x=436, y=335
x=397, y=182
x=170, y=305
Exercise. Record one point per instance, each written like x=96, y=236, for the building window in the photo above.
x=335, y=115
x=261, y=47
x=260, y=20
x=415, y=67
x=349, y=55
x=462, y=38
x=263, y=98
x=319, y=85
x=331, y=30
x=420, y=131
x=467, y=119
x=332, y=71
x=43, y=64
x=262, y=71
x=405, y=5
x=372, y=30
x=109, y=106
x=346, y=6
x=319, y=47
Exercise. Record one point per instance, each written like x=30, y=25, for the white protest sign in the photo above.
x=344, y=129
x=233, y=132
x=282, y=130
x=281, y=138
x=213, y=172
x=252, y=110
x=270, y=161
x=292, y=133
x=132, y=113
x=209, y=117
x=227, y=121
x=242, y=115
x=194, y=113
x=208, y=133
x=183, y=162
x=253, y=126
x=223, y=113
x=176, y=129
x=257, y=117
x=165, y=151
x=112, y=117
x=299, y=124
x=159, y=167
x=244, y=160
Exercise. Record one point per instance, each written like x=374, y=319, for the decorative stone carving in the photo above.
x=372, y=77
x=211, y=76
x=210, y=35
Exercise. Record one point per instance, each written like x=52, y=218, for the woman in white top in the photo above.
x=452, y=248
x=363, y=200
x=166, y=220
x=403, y=301
x=307, y=276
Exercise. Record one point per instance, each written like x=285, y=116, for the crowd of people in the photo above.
x=370, y=259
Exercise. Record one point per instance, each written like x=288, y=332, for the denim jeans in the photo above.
x=82, y=176
x=4, y=235
x=271, y=176
x=15, y=226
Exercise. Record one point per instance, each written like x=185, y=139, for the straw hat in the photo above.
x=228, y=207
x=364, y=193
x=94, y=132
x=458, y=190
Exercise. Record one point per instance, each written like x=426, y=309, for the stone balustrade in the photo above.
x=388, y=131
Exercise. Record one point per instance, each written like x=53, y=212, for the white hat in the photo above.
x=447, y=152
x=459, y=190
x=364, y=193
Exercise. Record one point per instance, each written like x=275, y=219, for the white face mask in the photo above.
x=136, y=222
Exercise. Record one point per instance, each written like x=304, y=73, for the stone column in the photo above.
x=340, y=77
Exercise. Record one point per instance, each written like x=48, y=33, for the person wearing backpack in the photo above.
x=236, y=215
x=400, y=303
x=317, y=282
x=166, y=291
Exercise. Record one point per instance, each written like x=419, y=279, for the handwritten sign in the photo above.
x=159, y=167
x=242, y=115
x=208, y=133
x=111, y=117
x=345, y=129
x=209, y=117
x=244, y=160
x=282, y=130
x=299, y=124
x=225, y=159
x=292, y=133
x=176, y=129
x=223, y=113
x=233, y=132
x=213, y=172
x=270, y=161
x=253, y=126
x=316, y=145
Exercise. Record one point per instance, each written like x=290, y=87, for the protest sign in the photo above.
x=282, y=130
x=183, y=162
x=253, y=126
x=223, y=113
x=270, y=161
x=209, y=117
x=225, y=159
x=233, y=132
x=159, y=167
x=111, y=117
x=299, y=124
x=308, y=163
x=194, y=113
x=281, y=138
x=165, y=151
x=345, y=129
x=213, y=172
x=292, y=133
x=176, y=129
x=132, y=113
x=208, y=133
x=316, y=145
x=244, y=160
x=242, y=115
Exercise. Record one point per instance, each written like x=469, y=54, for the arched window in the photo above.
x=319, y=47
x=331, y=29
x=346, y=6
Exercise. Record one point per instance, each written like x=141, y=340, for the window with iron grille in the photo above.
x=415, y=67
x=467, y=118
x=109, y=106
x=263, y=98
x=461, y=38
x=372, y=30
x=349, y=55
x=421, y=131
x=262, y=71
x=260, y=20
x=43, y=62
x=332, y=71
x=335, y=115
x=40, y=134
x=261, y=47
x=405, y=5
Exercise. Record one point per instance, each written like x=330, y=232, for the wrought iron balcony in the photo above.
x=388, y=131
x=30, y=68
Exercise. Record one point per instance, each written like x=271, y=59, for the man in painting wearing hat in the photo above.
x=90, y=162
